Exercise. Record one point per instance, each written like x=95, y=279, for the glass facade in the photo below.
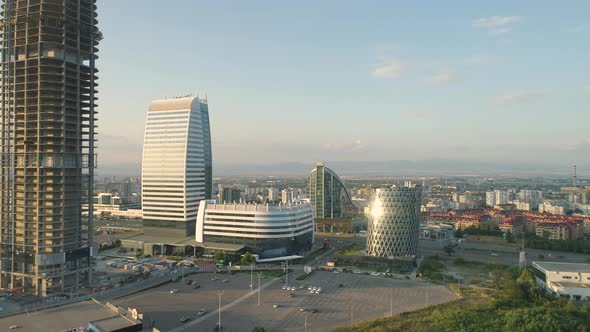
x=329, y=198
x=394, y=222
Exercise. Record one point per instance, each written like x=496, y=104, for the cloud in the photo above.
x=442, y=76
x=392, y=69
x=496, y=25
x=517, y=97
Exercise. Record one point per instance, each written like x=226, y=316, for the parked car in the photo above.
x=197, y=286
x=201, y=312
x=173, y=291
x=276, y=305
x=314, y=310
x=183, y=319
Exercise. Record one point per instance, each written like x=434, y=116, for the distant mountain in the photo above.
x=430, y=167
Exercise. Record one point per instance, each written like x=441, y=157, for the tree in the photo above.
x=258, y=329
x=449, y=249
x=509, y=237
x=459, y=233
x=219, y=257
x=248, y=259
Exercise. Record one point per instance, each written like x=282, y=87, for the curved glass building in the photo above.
x=267, y=230
x=394, y=222
x=328, y=196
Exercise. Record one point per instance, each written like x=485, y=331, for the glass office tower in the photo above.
x=176, y=166
x=329, y=198
x=47, y=121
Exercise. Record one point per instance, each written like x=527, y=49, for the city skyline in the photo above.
x=471, y=85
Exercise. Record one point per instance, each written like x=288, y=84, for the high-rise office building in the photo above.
x=47, y=123
x=394, y=222
x=328, y=196
x=176, y=153
x=229, y=195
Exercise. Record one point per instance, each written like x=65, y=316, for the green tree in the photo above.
x=449, y=249
x=258, y=329
x=220, y=256
x=248, y=259
x=509, y=237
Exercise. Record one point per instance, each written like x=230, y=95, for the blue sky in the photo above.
x=300, y=81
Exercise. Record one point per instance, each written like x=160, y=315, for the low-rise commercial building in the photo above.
x=567, y=280
x=267, y=230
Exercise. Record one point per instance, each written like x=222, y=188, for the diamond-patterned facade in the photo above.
x=394, y=222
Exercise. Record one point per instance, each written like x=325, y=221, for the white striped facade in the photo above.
x=254, y=221
x=173, y=165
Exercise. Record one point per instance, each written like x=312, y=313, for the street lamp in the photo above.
x=219, y=293
x=259, y=289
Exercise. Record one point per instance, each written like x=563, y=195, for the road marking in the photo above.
x=225, y=307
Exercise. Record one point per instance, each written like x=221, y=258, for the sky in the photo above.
x=300, y=81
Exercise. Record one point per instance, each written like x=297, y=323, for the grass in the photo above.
x=479, y=265
x=351, y=250
x=303, y=276
x=311, y=256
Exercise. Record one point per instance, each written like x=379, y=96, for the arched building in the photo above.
x=329, y=198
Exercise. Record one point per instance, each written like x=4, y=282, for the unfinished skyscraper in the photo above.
x=47, y=123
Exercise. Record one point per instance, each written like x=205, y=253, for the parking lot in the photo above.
x=360, y=298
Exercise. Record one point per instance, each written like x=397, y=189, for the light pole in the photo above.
x=251, y=282
x=259, y=289
x=305, y=324
x=219, y=293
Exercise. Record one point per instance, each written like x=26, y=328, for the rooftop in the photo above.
x=564, y=267
x=243, y=207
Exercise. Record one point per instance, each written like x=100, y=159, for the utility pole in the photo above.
x=305, y=323
x=219, y=311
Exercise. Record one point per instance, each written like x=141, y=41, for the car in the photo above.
x=183, y=319
x=375, y=273
x=301, y=308
x=356, y=272
x=225, y=280
x=197, y=286
x=173, y=291
x=13, y=327
x=213, y=279
x=314, y=310
x=276, y=305
x=335, y=271
x=284, y=288
x=314, y=288
x=201, y=312
x=188, y=282
x=293, y=289
x=339, y=241
x=301, y=286
x=309, y=288
x=494, y=254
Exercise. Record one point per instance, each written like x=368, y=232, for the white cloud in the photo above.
x=442, y=76
x=392, y=69
x=496, y=25
x=517, y=97
x=495, y=21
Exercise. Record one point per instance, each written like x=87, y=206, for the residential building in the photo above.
x=566, y=280
x=174, y=166
x=329, y=198
x=48, y=95
x=394, y=221
x=273, y=195
x=229, y=195
x=267, y=230
x=552, y=208
x=560, y=230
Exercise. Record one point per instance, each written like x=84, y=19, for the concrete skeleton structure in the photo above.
x=176, y=165
x=47, y=135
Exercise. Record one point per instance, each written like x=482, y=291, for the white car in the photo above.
x=301, y=287
x=174, y=291
x=276, y=305
x=314, y=288
x=201, y=312
x=284, y=287
x=309, y=288
x=375, y=273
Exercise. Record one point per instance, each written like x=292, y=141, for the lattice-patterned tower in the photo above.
x=47, y=123
x=394, y=222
